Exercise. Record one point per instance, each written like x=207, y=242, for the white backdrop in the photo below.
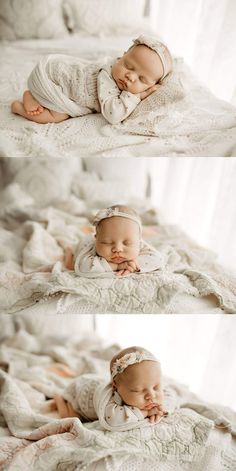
x=204, y=33
x=196, y=350
x=199, y=194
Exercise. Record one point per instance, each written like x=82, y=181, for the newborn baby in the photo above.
x=134, y=396
x=63, y=86
x=117, y=247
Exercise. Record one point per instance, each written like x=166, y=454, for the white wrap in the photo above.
x=93, y=399
x=88, y=264
x=68, y=84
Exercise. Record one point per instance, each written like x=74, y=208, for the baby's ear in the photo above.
x=114, y=385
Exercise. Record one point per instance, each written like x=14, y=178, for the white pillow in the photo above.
x=45, y=180
x=130, y=173
x=24, y=19
x=104, y=194
x=104, y=16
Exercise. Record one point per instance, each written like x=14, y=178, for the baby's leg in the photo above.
x=31, y=105
x=69, y=259
x=47, y=116
x=64, y=408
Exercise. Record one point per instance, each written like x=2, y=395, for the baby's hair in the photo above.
x=125, y=351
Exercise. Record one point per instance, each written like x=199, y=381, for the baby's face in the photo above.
x=140, y=385
x=118, y=239
x=137, y=70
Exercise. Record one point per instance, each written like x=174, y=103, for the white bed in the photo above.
x=38, y=209
x=188, y=120
x=34, y=367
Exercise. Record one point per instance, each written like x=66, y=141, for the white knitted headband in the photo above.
x=111, y=212
x=160, y=49
x=130, y=359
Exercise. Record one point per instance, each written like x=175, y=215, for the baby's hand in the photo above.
x=155, y=413
x=125, y=268
x=147, y=92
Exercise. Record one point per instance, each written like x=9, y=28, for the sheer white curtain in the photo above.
x=196, y=350
x=204, y=33
x=199, y=195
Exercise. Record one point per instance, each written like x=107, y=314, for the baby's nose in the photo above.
x=131, y=76
x=150, y=394
x=117, y=247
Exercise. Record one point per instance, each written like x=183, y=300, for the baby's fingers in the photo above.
x=152, y=419
x=126, y=272
x=119, y=272
x=123, y=272
x=157, y=418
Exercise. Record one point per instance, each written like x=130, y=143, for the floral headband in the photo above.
x=160, y=49
x=130, y=359
x=111, y=212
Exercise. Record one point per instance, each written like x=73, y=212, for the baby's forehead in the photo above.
x=151, y=368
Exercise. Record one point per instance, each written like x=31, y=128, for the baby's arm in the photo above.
x=147, y=92
x=121, y=415
x=116, y=414
x=150, y=259
x=116, y=105
x=87, y=263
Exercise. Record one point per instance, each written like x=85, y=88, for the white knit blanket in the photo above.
x=181, y=118
x=30, y=267
x=32, y=438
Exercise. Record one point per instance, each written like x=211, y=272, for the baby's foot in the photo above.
x=32, y=107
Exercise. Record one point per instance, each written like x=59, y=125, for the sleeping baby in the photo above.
x=134, y=396
x=63, y=86
x=117, y=247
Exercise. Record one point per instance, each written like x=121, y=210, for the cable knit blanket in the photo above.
x=31, y=269
x=33, y=438
x=181, y=118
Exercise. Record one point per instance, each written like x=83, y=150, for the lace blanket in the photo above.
x=181, y=118
x=33, y=438
x=31, y=268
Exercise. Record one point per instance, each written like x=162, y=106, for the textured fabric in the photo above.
x=80, y=393
x=26, y=19
x=104, y=16
x=88, y=264
x=65, y=84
